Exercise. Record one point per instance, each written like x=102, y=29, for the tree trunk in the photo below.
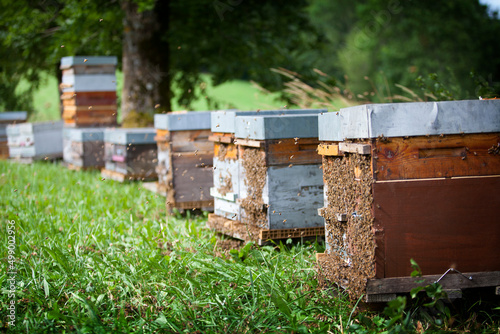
x=146, y=77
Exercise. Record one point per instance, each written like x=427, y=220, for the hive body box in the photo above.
x=34, y=141
x=267, y=176
x=129, y=154
x=185, y=159
x=89, y=91
x=10, y=117
x=83, y=148
x=411, y=181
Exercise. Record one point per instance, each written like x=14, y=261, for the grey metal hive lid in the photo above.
x=84, y=134
x=12, y=116
x=411, y=119
x=67, y=62
x=126, y=136
x=224, y=120
x=179, y=121
x=261, y=127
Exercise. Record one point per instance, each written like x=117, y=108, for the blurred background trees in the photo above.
x=369, y=48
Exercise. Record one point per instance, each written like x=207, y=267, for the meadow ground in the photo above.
x=91, y=255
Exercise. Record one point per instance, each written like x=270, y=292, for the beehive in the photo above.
x=83, y=147
x=185, y=159
x=129, y=154
x=411, y=181
x=35, y=141
x=10, y=117
x=89, y=91
x=254, y=198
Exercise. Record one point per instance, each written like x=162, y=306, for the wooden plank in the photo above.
x=294, y=204
x=192, y=177
x=436, y=156
x=88, y=98
x=90, y=69
x=290, y=151
x=86, y=110
x=231, y=197
x=355, y=148
x=329, y=150
x=238, y=230
x=225, y=151
x=291, y=233
x=440, y=224
x=248, y=142
x=225, y=138
x=450, y=281
x=191, y=141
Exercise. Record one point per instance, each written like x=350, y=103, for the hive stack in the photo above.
x=185, y=157
x=35, y=141
x=88, y=91
x=10, y=117
x=83, y=148
x=267, y=177
x=411, y=181
x=130, y=154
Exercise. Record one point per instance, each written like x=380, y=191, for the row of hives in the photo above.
x=392, y=182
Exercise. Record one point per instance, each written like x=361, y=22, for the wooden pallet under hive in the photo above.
x=185, y=159
x=129, y=154
x=252, y=177
x=411, y=181
x=260, y=236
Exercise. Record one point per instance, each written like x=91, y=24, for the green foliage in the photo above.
x=400, y=41
x=244, y=41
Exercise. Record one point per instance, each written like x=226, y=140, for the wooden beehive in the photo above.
x=254, y=198
x=35, y=141
x=10, y=117
x=89, y=91
x=83, y=148
x=411, y=181
x=129, y=154
x=185, y=159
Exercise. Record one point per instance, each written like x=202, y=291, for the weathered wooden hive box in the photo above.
x=255, y=197
x=411, y=181
x=89, y=91
x=185, y=159
x=129, y=154
x=9, y=117
x=83, y=147
x=34, y=141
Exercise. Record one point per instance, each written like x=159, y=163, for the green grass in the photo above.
x=234, y=94
x=96, y=256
